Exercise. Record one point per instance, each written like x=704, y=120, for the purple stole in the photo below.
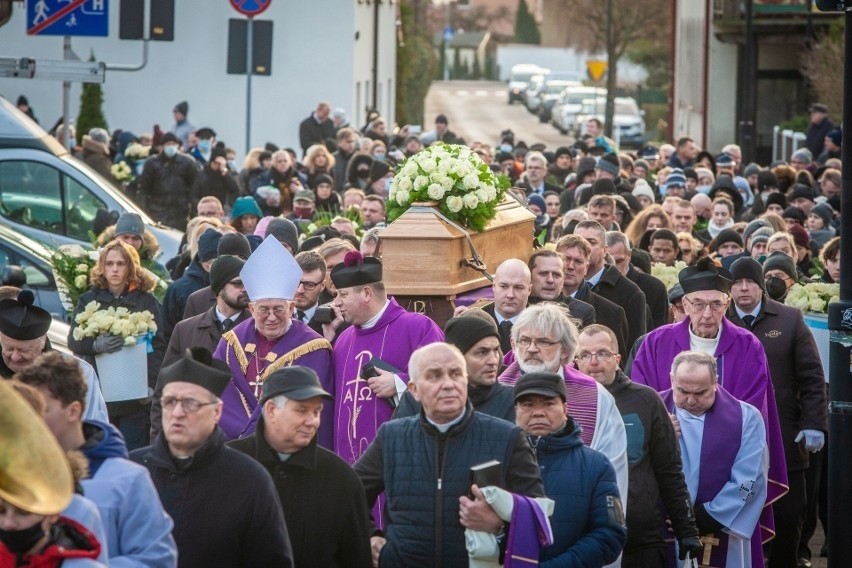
x=582, y=397
x=723, y=429
x=529, y=532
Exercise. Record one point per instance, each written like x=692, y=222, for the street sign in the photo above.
x=448, y=34
x=596, y=69
x=238, y=46
x=68, y=17
x=250, y=8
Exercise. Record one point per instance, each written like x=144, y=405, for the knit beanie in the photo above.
x=752, y=227
x=538, y=201
x=208, y=244
x=824, y=211
x=760, y=236
x=603, y=186
x=224, y=269
x=800, y=236
x=766, y=179
x=285, y=231
x=795, y=214
x=780, y=261
x=777, y=198
x=235, y=244
x=726, y=236
x=609, y=163
x=465, y=331
x=748, y=268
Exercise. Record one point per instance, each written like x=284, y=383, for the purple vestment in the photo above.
x=252, y=358
x=744, y=374
x=581, y=404
x=358, y=413
x=720, y=445
x=529, y=533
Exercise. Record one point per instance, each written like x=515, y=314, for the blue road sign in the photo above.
x=68, y=17
x=449, y=32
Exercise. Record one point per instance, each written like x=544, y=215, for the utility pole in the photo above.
x=609, y=111
x=747, y=118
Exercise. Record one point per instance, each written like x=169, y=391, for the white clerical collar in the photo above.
x=442, y=428
x=754, y=312
x=501, y=319
x=375, y=319
x=593, y=281
x=703, y=344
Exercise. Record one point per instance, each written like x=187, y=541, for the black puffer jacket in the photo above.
x=164, y=189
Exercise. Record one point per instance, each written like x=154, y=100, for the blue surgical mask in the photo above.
x=705, y=189
x=205, y=145
x=387, y=185
x=232, y=165
x=170, y=150
x=506, y=148
x=379, y=156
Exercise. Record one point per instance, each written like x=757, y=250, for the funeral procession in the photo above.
x=425, y=283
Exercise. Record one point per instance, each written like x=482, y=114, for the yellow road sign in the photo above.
x=596, y=69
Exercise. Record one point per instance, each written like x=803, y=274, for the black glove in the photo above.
x=705, y=522
x=689, y=547
x=108, y=344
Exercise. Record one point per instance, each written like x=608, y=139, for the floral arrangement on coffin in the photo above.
x=466, y=189
x=667, y=274
x=813, y=297
x=94, y=322
x=72, y=265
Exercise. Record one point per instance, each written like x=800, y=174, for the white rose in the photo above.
x=470, y=201
x=481, y=194
x=420, y=182
x=447, y=183
x=428, y=165
x=455, y=203
x=80, y=281
x=436, y=191
x=410, y=169
x=445, y=166
x=405, y=184
x=471, y=181
x=402, y=197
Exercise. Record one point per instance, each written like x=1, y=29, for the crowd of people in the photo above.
x=299, y=415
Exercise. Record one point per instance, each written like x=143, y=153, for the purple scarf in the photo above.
x=529, y=532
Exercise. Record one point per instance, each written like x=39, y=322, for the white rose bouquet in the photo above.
x=667, y=274
x=136, y=151
x=812, y=297
x=72, y=265
x=466, y=189
x=122, y=172
x=121, y=322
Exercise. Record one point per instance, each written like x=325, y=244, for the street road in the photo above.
x=478, y=110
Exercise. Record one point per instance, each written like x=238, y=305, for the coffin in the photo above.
x=426, y=255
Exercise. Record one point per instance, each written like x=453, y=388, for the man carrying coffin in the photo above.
x=725, y=462
x=269, y=340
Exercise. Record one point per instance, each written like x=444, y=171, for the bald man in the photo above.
x=512, y=287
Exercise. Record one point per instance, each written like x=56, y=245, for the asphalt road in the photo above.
x=478, y=110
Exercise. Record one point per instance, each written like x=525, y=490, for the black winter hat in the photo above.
x=208, y=244
x=800, y=190
x=609, y=163
x=766, y=179
x=466, y=331
x=235, y=244
x=285, y=231
x=225, y=268
x=777, y=198
x=794, y=213
x=726, y=236
x=322, y=178
x=182, y=107
x=824, y=212
x=603, y=186
x=586, y=166
x=378, y=170
x=562, y=150
x=169, y=137
x=748, y=268
x=129, y=224
x=779, y=260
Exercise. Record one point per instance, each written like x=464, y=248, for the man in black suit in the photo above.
x=512, y=287
x=608, y=282
x=535, y=172
x=310, y=287
x=548, y=278
x=655, y=291
x=575, y=251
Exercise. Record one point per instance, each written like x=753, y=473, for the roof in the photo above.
x=469, y=40
x=17, y=130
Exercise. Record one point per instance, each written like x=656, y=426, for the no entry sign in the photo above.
x=250, y=7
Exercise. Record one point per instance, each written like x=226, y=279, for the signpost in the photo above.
x=596, y=69
x=67, y=18
x=250, y=9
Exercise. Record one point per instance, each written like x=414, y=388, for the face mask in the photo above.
x=705, y=189
x=303, y=212
x=170, y=151
x=232, y=165
x=387, y=185
x=363, y=174
x=378, y=156
x=19, y=542
x=776, y=288
x=506, y=148
x=204, y=145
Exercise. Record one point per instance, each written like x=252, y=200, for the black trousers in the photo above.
x=645, y=558
x=789, y=512
x=817, y=487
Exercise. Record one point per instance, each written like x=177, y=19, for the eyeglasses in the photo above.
x=715, y=306
x=525, y=342
x=601, y=355
x=189, y=404
x=264, y=311
x=309, y=285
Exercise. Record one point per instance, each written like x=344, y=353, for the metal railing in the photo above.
x=785, y=142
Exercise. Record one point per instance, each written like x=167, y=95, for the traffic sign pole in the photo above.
x=249, y=73
x=66, y=91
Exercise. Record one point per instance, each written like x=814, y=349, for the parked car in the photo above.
x=550, y=93
x=519, y=79
x=52, y=197
x=628, y=120
x=570, y=103
x=532, y=96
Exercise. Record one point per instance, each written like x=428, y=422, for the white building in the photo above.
x=322, y=50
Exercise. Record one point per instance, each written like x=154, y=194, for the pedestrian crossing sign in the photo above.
x=68, y=17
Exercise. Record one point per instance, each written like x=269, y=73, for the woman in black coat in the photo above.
x=118, y=281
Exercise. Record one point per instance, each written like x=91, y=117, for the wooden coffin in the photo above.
x=422, y=254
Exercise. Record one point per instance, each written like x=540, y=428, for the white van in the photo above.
x=520, y=77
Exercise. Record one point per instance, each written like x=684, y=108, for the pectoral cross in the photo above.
x=709, y=541
x=257, y=384
x=747, y=492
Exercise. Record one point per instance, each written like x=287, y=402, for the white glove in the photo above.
x=814, y=440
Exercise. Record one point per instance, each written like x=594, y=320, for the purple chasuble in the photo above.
x=723, y=432
x=529, y=533
x=358, y=413
x=743, y=372
x=582, y=397
x=251, y=358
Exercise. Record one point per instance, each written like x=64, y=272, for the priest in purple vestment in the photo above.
x=382, y=338
x=741, y=361
x=269, y=340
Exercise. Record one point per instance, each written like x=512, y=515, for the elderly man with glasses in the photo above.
x=270, y=340
x=742, y=367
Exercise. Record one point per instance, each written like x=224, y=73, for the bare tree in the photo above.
x=820, y=65
x=586, y=27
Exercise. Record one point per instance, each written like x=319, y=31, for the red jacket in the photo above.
x=68, y=539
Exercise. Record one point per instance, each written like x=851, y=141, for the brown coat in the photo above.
x=199, y=302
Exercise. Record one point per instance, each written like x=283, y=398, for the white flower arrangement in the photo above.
x=72, y=265
x=813, y=297
x=667, y=274
x=136, y=151
x=122, y=171
x=466, y=189
x=94, y=322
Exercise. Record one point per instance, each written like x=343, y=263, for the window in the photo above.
x=29, y=194
x=35, y=276
x=81, y=207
